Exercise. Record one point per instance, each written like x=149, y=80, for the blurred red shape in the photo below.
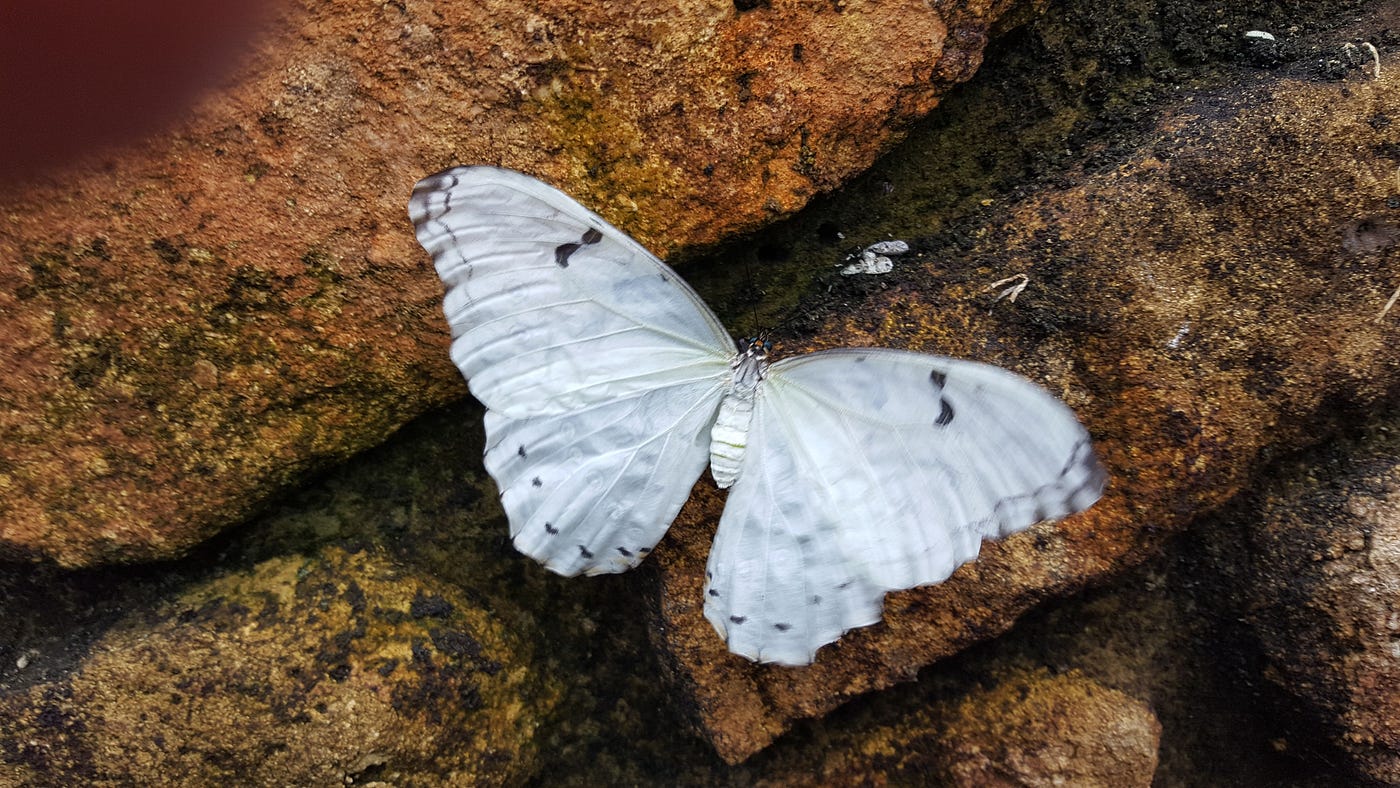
x=78, y=75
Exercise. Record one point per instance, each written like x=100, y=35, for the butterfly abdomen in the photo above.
x=730, y=434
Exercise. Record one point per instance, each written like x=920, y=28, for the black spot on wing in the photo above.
x=625, y=552
x=714, y=592
x=945, y=415
x=781, y=627
x=550, y=529
x=521, y=451
x=643, y=550
x=939, y=378
x=738, y=619
x=563, y=252
x=535, y=482
x=584, y=551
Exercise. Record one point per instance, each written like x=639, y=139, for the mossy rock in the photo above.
x=330, y=669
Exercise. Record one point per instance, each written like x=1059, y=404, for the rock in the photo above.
x=1026, y=728
x=1318, y=578
x=1154, y=646
x=326, y=670
x=1197, y=302
x=1043, y=730
x=198, y=320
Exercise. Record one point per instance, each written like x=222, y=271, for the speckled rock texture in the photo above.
x=196, y=321
x=1041, y=730
x=1024, y=729
x=581, y=691
x=1209, y=300
x=1317, y=577
x=324, y=670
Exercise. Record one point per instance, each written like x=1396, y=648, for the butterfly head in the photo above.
x=751, y=362
x=755, y=347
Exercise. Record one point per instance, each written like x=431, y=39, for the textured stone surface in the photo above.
x=1023, y=729
x=309, y=671
x=197, y=320
x=1043, y=730
x=1210, y=299
x=1317, y=574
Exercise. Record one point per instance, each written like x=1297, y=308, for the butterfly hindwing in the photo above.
x=900, y=464
x=777, y=585
x=593, y=491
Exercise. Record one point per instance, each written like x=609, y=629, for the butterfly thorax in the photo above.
x=729, y=435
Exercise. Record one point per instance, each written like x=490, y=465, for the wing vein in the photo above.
x=876, y=489
x=643, y=376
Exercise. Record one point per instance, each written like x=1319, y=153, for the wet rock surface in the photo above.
x=1028, y=729
x=1200, y=298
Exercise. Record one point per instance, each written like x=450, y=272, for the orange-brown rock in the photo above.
x=1204, y=305
x=1214, y=298
x=1041, y=730
x=197, y=320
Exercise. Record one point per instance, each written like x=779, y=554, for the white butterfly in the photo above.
x=608, y=386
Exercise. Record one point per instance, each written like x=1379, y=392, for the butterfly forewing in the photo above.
x=551, y=308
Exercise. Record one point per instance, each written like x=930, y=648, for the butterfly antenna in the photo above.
x=755, y=328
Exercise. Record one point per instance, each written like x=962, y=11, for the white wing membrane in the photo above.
x=552, y=309
x=593, y=491
x=898, y=465
x=777, y=585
